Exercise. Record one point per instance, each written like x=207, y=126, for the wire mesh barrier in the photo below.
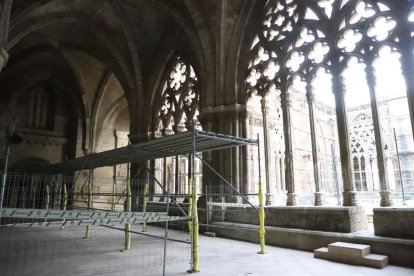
x=227, y=214
x=55, y=225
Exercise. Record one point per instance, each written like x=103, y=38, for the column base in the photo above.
x=386, y=200
x=349, y=198
x=318, y=199
x=291, y=199
x=269, y=199
x=4, y=56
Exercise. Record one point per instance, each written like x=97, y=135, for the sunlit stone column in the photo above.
x=265, y=111
x=349, y=195
x=289, y=176
x=315, y=154
x=382, y=164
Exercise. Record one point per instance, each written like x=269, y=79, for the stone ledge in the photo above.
x=399, y=251
x=394, y=222
x=321, y=218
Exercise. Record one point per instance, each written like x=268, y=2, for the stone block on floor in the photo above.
x=351, y=253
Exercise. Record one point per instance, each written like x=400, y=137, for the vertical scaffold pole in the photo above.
x=113, y=196
x=90, y=190
x=194, y=240
x=6, y=162
x=399, y=167
x=47, y=199
x=165, y=230
x=190, y=193
x=65, y=195
x=261, y=208
x=64, y=199
x=129, y=208
x=144, y=205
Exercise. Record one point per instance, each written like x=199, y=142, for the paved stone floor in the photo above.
x=52, y=252
x=226, y=257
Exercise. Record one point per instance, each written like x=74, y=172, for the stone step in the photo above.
x=351, y=253
x=320, y=252
x=376, y=261
x=349, y=250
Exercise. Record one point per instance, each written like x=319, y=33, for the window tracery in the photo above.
x=179, y=98
x=352, y=44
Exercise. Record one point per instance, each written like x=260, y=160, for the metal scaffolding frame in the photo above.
x=173, y=145
x=184, y=143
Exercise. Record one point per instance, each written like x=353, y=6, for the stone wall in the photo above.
x=394, y=222
x=331, y=219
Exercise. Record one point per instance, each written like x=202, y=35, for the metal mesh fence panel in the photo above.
x=64, y=225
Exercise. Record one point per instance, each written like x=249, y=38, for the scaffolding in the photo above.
x=190, y=143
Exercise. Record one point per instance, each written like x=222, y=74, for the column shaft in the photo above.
x=315, y=154
x=265, y=111
x=382, y=164
x=349, y=195
x=289, y=175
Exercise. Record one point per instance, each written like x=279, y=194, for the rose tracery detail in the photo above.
x=180, y=97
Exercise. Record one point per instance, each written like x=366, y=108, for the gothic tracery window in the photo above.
x=358, y=44
x=362, y=148
x=179, y=99
x=177, y=111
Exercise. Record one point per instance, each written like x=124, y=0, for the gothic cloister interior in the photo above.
x=319, y=94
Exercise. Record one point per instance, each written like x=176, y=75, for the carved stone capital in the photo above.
x=338, y=85
x=265, y=108
x=310, y=95
x=256, y=121
x=370, y=76
x=286, y=100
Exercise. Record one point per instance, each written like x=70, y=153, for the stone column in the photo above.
x=5, y=8
x=236, y=152
x=407, y=67
x=315, y=153
x=289, y=174
x=349, y=195
x=382, y=164
x=265, y=111
x=246, y=150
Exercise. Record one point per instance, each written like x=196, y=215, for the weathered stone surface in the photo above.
x=394, y=222
x=351, y=253
x=399, y=251
x=332, y=219
x=349, y=249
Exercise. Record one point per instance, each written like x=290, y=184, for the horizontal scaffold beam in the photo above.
x=81, y=217
x=182, y=143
